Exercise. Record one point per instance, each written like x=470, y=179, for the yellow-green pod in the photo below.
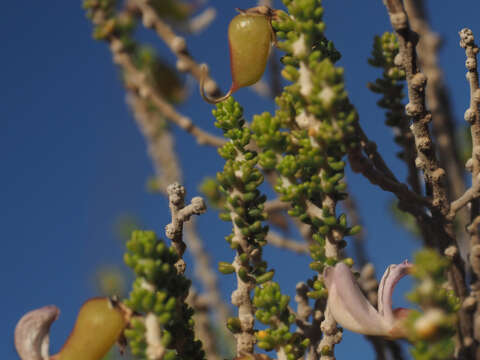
x=250, y=37
x=99, y=325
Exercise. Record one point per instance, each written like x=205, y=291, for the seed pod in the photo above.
x=100, y=323
x=250, y=37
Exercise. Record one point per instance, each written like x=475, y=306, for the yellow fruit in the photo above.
x=250, y=38
x=99, y=324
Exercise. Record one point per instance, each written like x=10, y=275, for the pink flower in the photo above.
x=354, y=312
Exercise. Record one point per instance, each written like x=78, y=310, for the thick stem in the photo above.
x=472, y=115
x=434, y=175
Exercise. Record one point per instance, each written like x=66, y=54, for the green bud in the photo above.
x=234, y=325
x=226, y=268
x=317, y=266
x=265, y=277
x=243, y=274
x=354, y=230
x=330, y=220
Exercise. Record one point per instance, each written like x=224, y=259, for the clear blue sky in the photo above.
x=72, y=160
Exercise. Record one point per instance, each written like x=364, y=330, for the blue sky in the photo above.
x=73, y=160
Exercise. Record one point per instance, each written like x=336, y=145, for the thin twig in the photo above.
x=275, y=205
x=180, y=214
x=159, y=140
x=351, y=209
x=370, y=148
x=468, y=196
x=176, y=43
x=206, y=274
x=138, y=82
x=160, y=145
x=279, y=241
x=363, y=165
x=203, y=328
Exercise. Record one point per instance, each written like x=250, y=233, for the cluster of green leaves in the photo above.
x=432, y=330
x=244, y=203
x=239, y=182
x=309, y=158
x=272, y=310
x=159, y=289
x=390, y=85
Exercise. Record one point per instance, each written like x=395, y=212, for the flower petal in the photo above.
x=32, y=333
x=349, y=306
x=390, y=278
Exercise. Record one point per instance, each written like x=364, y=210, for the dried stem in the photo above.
x=374, y=168
x=276, y=205
x=180, y=214
x=472, y=115
x=443, y=124
x=309, y=330
x=155, y=348
x=166, y=165
x=351, y=209
x=370, y=149
x=205, y=273
x=363, y=165
x=176, y=43
x=160, y=142
x=331, y=334
x=241, y=295
x=467, y=197
x=434, y=175
x=138, y=82
x=279, y=241
x=203, y=328
x=437, y=97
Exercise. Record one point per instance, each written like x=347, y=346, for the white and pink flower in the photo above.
x=354, y=312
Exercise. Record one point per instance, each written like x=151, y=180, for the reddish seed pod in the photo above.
x=250, y=37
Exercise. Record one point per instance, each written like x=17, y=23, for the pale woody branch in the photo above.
x=467, y=197
x=180, y=214
x=138, y=81
x=177, y=44
x=472, y=116
x=279, y=241
x=160, y=144
x=437, y=97
x=155, y=348
x=434, y=175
